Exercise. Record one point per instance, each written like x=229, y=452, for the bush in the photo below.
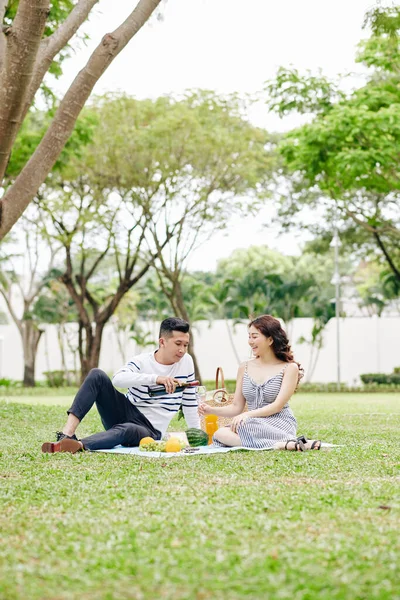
x=369, y=388
x=9, y=383
x=381, y=378
x=58, y=379
x=324, y=387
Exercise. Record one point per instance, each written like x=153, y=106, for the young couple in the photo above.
x=267, y=382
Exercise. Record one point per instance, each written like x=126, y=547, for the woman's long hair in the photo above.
x=271, y=327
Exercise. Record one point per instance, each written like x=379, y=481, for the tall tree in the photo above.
x=344, y=163
x=103, y=249
x=23, y=280
x=184, y=166
x=28, y=46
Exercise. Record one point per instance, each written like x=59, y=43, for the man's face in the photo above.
x=175, y=345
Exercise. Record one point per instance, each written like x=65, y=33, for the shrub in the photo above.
x=326, y=388
x=9, y=383
x=381, y=378
x=58, y=378
x=369, y=388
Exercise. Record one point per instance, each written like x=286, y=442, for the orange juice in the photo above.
x=211, y=423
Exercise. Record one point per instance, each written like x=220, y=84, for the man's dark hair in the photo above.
x=173, y=324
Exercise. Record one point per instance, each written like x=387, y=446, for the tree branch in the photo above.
x=22, y=47
x=14, y=317
x=386, y=254
x=366, y=226
x=67, y=280
x=18, y=196
x=53, y=44
x=3, y=43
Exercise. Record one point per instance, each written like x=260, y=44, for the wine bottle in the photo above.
x=159, y=390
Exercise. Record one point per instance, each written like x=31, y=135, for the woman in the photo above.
x=267, y=384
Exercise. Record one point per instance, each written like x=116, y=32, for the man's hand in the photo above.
x=169, y=383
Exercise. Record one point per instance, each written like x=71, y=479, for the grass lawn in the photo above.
x=266, y=525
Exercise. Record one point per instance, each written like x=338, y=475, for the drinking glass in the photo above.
x=201, y=394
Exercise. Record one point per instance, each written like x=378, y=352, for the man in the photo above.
x=129, y=418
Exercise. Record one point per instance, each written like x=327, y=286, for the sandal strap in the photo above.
x=298, y=445
x=314, y=444
x=302, y=438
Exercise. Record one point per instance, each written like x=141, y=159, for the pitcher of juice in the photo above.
x=211, y=424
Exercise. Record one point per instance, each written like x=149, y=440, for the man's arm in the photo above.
x=132, y=375
x=189, y=401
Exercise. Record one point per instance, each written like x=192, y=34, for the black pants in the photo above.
x=123, y=422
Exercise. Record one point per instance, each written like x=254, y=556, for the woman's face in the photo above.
x=258, y=342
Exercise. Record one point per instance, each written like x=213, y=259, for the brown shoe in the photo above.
x=64, y=445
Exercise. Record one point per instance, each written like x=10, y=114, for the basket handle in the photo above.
x=217, y=376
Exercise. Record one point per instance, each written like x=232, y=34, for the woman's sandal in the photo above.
x=316, y=445
x=298, y=445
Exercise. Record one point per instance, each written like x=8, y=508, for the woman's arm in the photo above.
x=233, y=409
x=289, y=384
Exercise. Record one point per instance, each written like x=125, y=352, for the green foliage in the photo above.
x=59, y=11
x=7, y=383
x=289, y=91
x=59, y=378
x=332, y=388
x=381, y=378
x=344, y=163
x=33, y=129
x=260, y=280
x=326, y=388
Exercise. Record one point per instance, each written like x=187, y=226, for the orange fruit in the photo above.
x=173, y=445
x=146, y=440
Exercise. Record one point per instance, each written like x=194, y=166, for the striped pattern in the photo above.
x=264, y=432
x=160, y=409
x=140, y=374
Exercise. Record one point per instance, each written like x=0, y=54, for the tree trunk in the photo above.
x=61, y=345
x=30, y=340
x=21, y=48
x=90, y=353
x=386, y=254
x=183, y=314
x=231, y=341
x=20, y=193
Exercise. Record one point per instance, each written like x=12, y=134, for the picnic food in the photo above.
x=146, y=440
x=196, y=437
x=173, y=445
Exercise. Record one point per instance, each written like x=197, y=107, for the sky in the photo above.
x=228, y=46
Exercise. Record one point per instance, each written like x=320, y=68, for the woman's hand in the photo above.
x=204, y=409
x=236, y=421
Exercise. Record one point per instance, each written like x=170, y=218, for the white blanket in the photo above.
x=190, y=451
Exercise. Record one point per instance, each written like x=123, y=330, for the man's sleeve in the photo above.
x=132, y=375
x=189, y=401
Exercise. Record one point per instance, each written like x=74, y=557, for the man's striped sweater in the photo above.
x=141, y=372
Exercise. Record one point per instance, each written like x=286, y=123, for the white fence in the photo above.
x=366, y=345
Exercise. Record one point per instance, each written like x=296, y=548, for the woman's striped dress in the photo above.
x=264, y=432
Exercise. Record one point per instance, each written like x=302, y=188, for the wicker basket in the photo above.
x=219, y=397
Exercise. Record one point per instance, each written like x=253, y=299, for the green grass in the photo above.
x=267, y=525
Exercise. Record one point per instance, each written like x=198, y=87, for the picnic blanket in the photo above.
x=201, y=450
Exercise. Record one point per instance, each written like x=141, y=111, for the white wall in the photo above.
x=367, y=345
